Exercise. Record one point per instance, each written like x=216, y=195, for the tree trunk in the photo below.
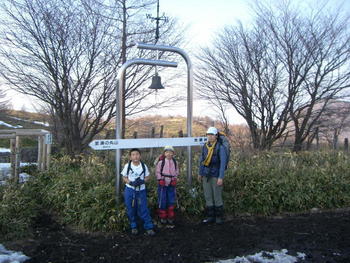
x=298, y=144
x=335, y=139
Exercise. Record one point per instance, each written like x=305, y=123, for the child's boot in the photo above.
x=134, y=231
x=171, y=216
x=150, y=232
x=162, y=213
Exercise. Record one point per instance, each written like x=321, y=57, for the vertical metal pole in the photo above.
x=118, y=131
x=189, y=114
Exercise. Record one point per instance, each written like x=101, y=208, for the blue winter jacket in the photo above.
x=216, y=167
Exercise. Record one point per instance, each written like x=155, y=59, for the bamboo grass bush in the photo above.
x=271, y=183
x=82, y=193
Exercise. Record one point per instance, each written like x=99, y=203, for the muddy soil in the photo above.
x=323, y=237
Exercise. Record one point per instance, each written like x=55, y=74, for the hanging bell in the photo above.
x=156, y=83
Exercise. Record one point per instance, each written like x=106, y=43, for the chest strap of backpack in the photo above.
x=162, y=168
x=131, y=170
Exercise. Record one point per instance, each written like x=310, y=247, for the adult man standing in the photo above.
x=211, y=172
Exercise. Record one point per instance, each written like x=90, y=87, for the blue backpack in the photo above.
x=224, y=142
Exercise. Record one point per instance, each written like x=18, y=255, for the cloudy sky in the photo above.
x=204, y=19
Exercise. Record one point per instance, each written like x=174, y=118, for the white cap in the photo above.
x=169, y=148
x=212, y=130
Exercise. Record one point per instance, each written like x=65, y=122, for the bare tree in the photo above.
x=333, y=121
x=67, y=53
x=242, y=70
x=133, y=27
x=314, y=49
x=278, y=69
x=221, y=109
x=4, y=101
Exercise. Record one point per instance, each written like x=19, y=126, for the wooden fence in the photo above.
x=44, y=148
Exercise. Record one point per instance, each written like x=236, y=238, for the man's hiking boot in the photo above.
x=150, y=232
x=219, y=215
x=219, y=220
x=163, y=221
x=210, y=215
x=134, y=231
x=208, y=220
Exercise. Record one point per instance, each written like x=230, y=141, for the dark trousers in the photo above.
x=136, y=206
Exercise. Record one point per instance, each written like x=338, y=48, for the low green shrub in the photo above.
x=29, y=169
x=17, y=211
x=82, y=194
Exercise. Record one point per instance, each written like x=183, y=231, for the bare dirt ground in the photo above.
x=323, y=237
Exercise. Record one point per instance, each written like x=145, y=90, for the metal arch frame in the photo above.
x=121, y=77
x=189, y=94
x=119, y=97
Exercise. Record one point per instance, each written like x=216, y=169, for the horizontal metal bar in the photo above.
x=152, y=62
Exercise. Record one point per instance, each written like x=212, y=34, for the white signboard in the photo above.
x=146, y=143
x=48, y=138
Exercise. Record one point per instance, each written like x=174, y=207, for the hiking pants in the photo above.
x=166, y=201
x=212, y=192
x=136, y=206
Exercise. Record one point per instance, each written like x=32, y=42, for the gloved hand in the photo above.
x=138, y=182
x=161, y=182
x=173, y=182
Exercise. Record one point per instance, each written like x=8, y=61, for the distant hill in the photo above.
x=22, y=120
x=172, y=126
x=13, y=119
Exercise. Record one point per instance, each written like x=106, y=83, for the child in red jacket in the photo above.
x=167, y=172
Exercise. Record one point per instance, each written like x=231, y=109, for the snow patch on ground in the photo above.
x=42, y=123
x=9, y=256
x=276, y=256
x=35, y=122
x=23, y=177
x=7, y=166
x=9, y=125
x=5, y=173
